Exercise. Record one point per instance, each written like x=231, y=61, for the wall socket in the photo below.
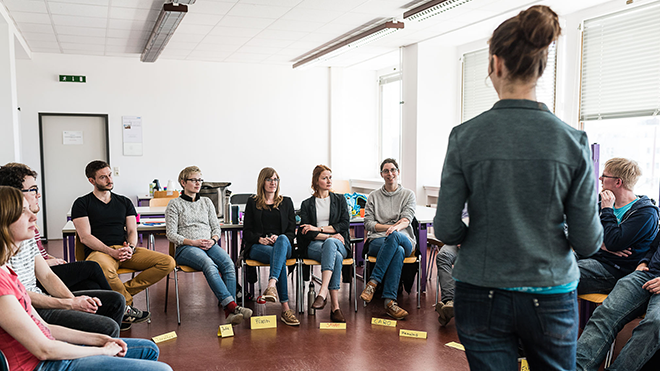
x=116, y=170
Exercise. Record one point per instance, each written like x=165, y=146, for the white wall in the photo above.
x=229, y=119
x=438, y=111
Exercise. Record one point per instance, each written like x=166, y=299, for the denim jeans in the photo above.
x=490, y=323
x=141, y=356
x=627, y=301
x=106, y=320
x=217, y=266
x=330, y=253
x=275, y=255
x=445, y=262
x=594, y=278
x=389, y=252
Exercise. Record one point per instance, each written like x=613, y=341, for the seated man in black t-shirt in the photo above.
x=106, y=225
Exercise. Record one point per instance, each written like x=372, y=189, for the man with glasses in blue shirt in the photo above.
x=630, y=224
x=106, y=225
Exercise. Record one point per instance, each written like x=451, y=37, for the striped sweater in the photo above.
x=23, y=264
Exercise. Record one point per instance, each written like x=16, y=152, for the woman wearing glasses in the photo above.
x=268, y=231
x=387, y=219
x=323, y=236
x=192, y=225
x=27, y=341
x=526, y=176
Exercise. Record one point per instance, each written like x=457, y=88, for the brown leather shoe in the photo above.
x=368, y=292
x=395, y=311
x=337, y=316
x=319, y=302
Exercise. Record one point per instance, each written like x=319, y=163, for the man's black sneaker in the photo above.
x=134, y=315
x=125, y=326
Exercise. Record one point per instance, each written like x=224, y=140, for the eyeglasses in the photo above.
x=34, y=189
x=195, y=180
x=607, y=176
x=272, y=180
x=393, y=171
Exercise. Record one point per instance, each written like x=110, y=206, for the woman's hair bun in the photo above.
x=539, y=26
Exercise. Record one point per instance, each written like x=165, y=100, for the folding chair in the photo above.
x=178, y=267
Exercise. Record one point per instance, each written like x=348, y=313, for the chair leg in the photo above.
x=299, y=293
x=364, y=278
x=167, y=290
x=243, y=285
x=176, y=288
x=148, y=306
x=610, y=354
x=354, y=283
x=437, y=288
x=419, y=283
x=429, y=264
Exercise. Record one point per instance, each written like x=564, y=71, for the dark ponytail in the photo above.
x=522, y=42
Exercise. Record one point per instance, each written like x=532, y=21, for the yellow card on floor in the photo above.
x=225, y=331
x=524, y=366
x=260, y=322
x=456, y=345
x=164, y=337
x=383, y=322
x=412, y=334
x=333, y=326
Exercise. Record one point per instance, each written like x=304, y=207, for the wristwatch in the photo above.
x=321, y=229
x=132, y=247
x=215, y=242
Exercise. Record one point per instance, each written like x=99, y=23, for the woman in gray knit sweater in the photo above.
x=192, y=225
x=387, y=219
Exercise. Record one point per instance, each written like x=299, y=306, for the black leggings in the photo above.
x=81, y=275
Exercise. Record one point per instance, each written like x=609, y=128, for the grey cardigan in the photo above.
x=525, y=175
x=190, y=219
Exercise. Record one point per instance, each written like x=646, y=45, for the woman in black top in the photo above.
x=268, y=231
x=323, y=236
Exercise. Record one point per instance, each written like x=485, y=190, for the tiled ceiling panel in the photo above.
x=249, y=31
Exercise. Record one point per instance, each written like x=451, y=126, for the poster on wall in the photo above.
x=132, y=135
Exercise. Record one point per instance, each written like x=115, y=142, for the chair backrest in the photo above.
x=172, y=249
x=4, y=364
x=164, y=194
x=240, y=200
x=163, y=201
x=79, y=250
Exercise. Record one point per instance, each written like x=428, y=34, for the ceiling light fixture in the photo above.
x=352, y=42
x=168, y=20
x=432, y=8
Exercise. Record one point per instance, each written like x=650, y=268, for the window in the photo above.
x=620, y=89
x=478, y=93
x=390, y=116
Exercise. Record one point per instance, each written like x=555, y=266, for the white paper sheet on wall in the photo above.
x=72, y=137
x=132, y=135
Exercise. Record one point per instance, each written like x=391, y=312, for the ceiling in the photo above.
x=251, y=31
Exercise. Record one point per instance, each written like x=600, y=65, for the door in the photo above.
x=68, y=143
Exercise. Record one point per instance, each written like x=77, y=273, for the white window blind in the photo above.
x=479, y=94
x=621, y=64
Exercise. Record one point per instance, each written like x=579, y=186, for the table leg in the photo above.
x=65, y=247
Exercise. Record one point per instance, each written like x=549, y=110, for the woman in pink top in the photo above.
x=31, y=344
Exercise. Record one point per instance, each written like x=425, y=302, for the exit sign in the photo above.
x=71, y=78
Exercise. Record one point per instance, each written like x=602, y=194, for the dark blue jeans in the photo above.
x=490, y=323
x=389, y=252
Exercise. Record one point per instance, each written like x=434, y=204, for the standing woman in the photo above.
x=388, y=220
x=192, y=225
x=323, y=236
x=25, y=338
x=525, y=176
x=269, y=226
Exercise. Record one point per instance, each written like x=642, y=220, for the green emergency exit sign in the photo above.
x=71, y=78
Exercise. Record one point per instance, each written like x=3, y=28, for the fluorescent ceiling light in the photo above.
x=184, y=1
x=353, y=42
x=168, y=20
x=432, y=8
